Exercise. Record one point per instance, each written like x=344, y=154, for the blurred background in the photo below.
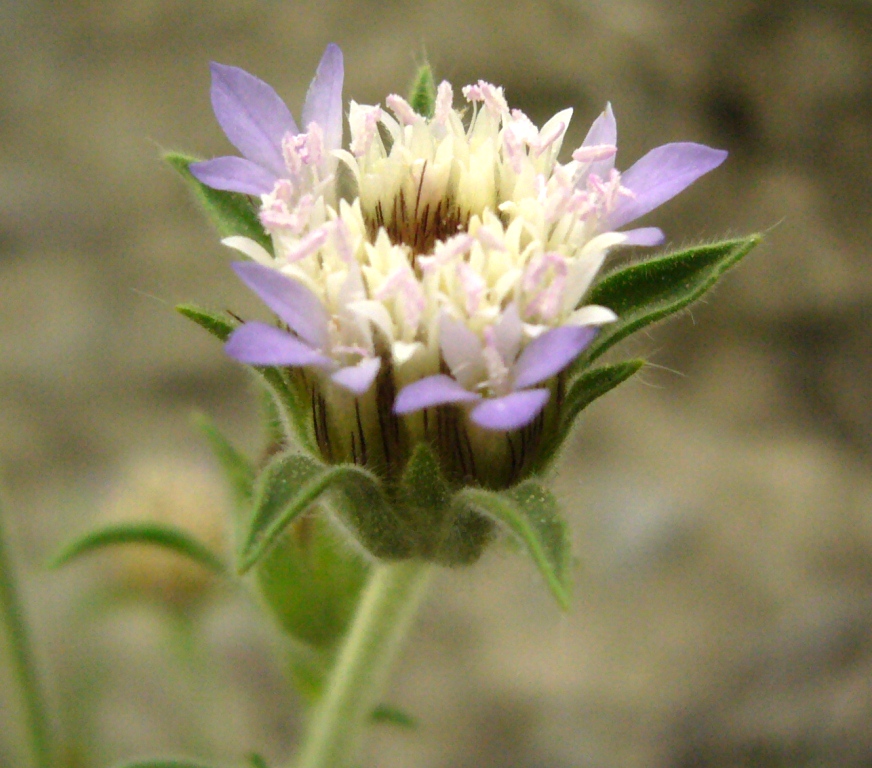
x=720, y=502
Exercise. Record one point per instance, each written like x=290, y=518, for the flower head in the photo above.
x=439, y=294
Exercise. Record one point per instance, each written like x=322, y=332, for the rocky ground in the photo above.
x=720, y=503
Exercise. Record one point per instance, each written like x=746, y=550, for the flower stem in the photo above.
x=22, y=661
x=383, y=617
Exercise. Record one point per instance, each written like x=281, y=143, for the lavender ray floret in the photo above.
x=324, y=98
x=301, y=309
x=550, y=353
x=512, y=411
x=431, y=391
x=659, y=176
x=252, y=115
x=261, y=344
x=234, y=174
x=358, y=378
x=604, y=130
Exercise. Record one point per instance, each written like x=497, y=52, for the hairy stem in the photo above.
x=383, y=617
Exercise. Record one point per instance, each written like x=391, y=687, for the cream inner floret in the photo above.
x=466, y=213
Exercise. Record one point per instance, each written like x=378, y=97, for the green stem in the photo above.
x=22, y=661
x=383, y=617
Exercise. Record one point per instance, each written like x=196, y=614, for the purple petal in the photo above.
x=234, y=174
x=550, y=353
x=643, y=236
x=260, y=344
x=358, y=378
x=603, y=131
x=660, y=175
x=324, y=98
x=512, y=411
x=301, y=309
x=252, y=116
x=434, y=390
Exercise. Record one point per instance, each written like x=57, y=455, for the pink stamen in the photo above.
x=312, y=146
x=444, y=100
x=489, y=240
x=594, y=153
x=365, y=132
x=280, y=213
x=308, y=245
x=403, y=284
x=291, y=154
x=445, y=253
x=547, y=273
x=472, y=284
x=350, y=350
x=472, y=92
x=342, y=239
x=542, y=142
x=490, y=95
x=608, y=191
x=403, y=110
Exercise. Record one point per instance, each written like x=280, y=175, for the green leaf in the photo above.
x=277, y=503
x=291, y=484
x=165, y=536
x=530, y=512
x=385, y=713
x=220, y=326
x=654, y=289
x=274, y=427
x=257, y=761
x=594, y=384
x=238, y=470
x=385, y=529
x=232, y=213
x=422, y=481
x=422, y=96
x=311, y=578
x=289, y=397
x=441, y=530
x=589, y=386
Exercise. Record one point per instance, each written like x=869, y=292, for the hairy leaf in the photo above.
x=589, y=386
x=289, y=396
x=530, y=512
x=232, y=213
x=219, y=325
x=422, y=96
x=644, y=293
x=165, y=536
x=289, y=486
x=159, y=535
x=277, y=502
x=422, y=483
x=595, y=383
